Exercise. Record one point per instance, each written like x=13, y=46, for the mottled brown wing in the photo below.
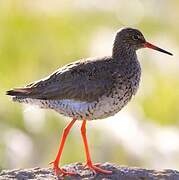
x=83, y=81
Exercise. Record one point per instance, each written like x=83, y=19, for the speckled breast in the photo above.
x=107, y=105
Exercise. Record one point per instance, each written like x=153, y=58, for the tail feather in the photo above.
x=23, y=92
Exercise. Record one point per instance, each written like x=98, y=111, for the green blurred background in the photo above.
x=37, y=37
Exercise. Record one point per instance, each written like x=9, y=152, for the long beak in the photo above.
x=151, y=46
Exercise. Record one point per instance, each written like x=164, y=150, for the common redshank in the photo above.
x=89, y=89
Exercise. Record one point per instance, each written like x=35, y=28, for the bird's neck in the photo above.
x=123, y=53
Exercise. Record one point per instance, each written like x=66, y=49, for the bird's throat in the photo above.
x=123, y=53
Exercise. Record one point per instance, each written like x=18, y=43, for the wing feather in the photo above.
x=86, y=82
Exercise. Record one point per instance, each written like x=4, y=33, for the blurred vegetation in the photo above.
x=34, y=43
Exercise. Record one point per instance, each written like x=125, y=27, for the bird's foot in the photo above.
x=95, y=168
x=61, y=171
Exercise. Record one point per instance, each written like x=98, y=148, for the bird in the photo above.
x=90, y=89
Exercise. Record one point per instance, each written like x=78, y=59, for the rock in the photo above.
x=119, y=173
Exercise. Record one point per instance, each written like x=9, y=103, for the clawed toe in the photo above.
x=61, y=171
x=95, y=168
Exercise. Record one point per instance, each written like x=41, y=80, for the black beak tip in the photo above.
x=171, y=54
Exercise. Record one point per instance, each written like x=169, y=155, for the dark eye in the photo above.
x=135, y=37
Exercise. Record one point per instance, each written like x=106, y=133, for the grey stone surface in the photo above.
x=119, y=173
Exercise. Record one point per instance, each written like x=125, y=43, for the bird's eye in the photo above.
x=135, y=37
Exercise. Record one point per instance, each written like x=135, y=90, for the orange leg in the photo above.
x=89, y=163
x=55, y=163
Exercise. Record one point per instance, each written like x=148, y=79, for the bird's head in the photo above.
x=133, y=38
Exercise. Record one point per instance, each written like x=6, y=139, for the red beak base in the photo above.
x=151, y=46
